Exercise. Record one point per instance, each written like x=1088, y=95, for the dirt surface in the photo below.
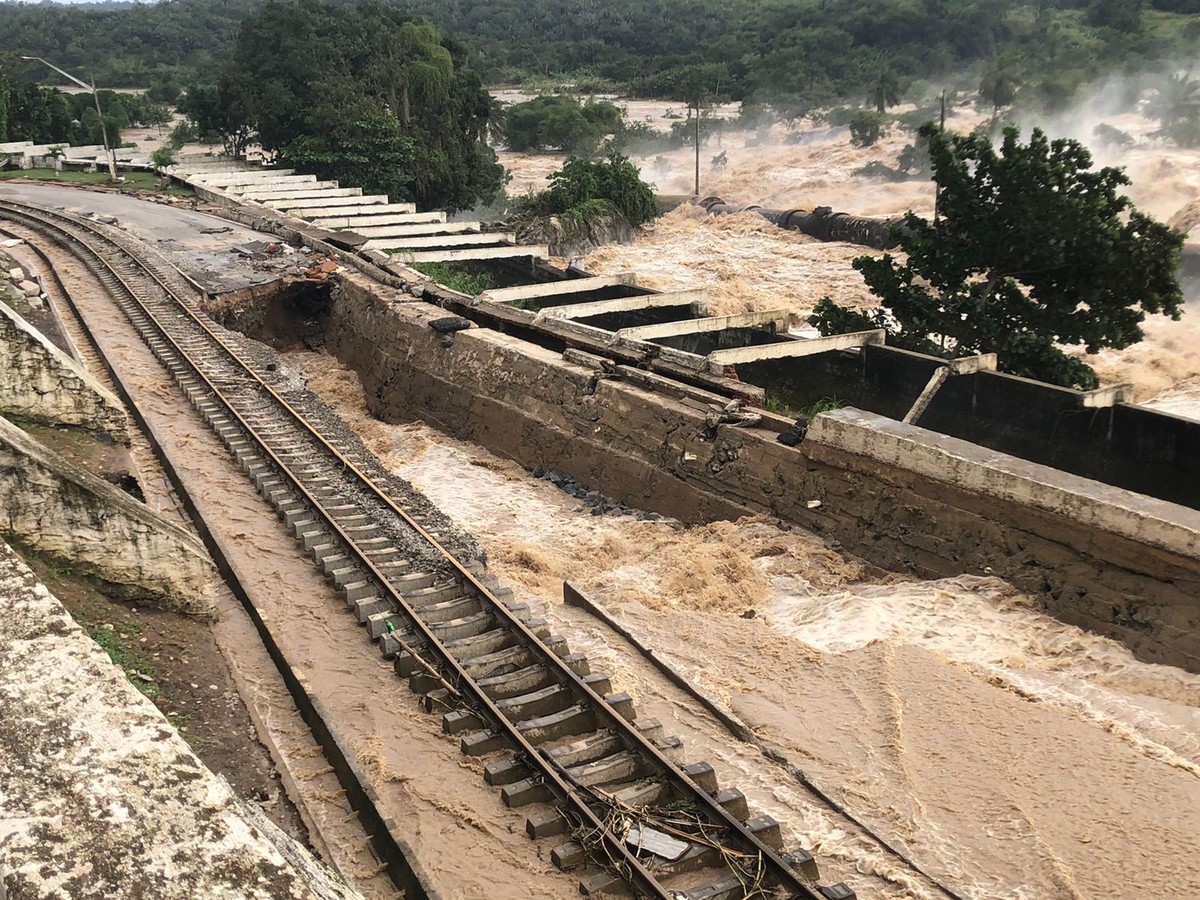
x=949, y=716
x=174, y=229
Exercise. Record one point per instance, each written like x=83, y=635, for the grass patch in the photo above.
x=142, y=181
x=775, y=403
x=456, y=277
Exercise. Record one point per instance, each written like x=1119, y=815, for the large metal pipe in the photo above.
x=822, y=223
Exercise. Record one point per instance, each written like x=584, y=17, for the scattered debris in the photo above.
x=224, y=229
x=792, y=436
x=599, y=504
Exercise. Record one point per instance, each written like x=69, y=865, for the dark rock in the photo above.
x=449, y=324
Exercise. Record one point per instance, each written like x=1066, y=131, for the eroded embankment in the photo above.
x=1084, y=554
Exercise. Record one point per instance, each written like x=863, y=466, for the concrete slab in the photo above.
x=39, y=381
x=92, y=150
x=351, y=202
x=281, y=182
x=537, y=251
x=250, y=176
x=694, y=299
x=400, y=234
x=100, y=797
x=323, y=189
x=396, y=214
x=558, y=288
x=973, y=468
x=15, y=146
x=718, y=359
x=499, y=239
x=55, y=506
x=698, y=326
x=387, y=213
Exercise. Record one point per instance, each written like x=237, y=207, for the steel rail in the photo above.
x=781, y=873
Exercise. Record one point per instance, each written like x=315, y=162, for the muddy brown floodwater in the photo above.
x=748, y=264
x=1008, y=754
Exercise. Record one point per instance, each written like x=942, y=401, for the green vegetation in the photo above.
x=561, y=122
x=866, y=127
x=797, y=54
x=1032, y=250
x=583, y=190
x=457, y=277
x=361, y=93
x=142, y=181
x=29, y=112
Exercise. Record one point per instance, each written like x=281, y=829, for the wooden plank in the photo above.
x=557, y=288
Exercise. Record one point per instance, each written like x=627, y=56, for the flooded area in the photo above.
x=1005, y=753
x=748, y=264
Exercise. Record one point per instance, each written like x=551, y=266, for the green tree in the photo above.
x=998, y=87
x=560, y=122
x=583, y=188
x=1032, y=250
x=885, y=88
x=866, y=127
x=324, y=83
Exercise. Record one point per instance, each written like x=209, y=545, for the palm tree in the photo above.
x=885, y=89
x=1178, y=99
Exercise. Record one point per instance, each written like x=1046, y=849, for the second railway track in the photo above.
x=607, y=787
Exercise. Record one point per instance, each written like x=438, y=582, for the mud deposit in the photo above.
x=1007, y=754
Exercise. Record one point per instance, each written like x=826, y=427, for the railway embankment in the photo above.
x=40, y=382
x=98, y=788
x=59, y=509
x=904, y=498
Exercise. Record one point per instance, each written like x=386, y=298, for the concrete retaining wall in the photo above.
x=68, y=513
x=100, y=798
x=1095, y=556
x=1140, y=449
x=40, y=382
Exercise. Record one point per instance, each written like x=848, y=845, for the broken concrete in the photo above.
x=70, y=514
x=100, y=798
x=41, y=383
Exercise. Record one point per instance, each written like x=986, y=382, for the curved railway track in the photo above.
x=606, y=783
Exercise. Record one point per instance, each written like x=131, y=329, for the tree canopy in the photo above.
x=818, y=51
x=1032, y=250
x=561, y=122
x=362, y=93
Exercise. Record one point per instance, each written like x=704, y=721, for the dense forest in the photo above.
x=808, y=51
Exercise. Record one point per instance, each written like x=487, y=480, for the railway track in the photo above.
x=603, y=785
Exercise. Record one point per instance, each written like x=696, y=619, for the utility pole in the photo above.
x=937, y=191
x=697, y=149
x=109, y=155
